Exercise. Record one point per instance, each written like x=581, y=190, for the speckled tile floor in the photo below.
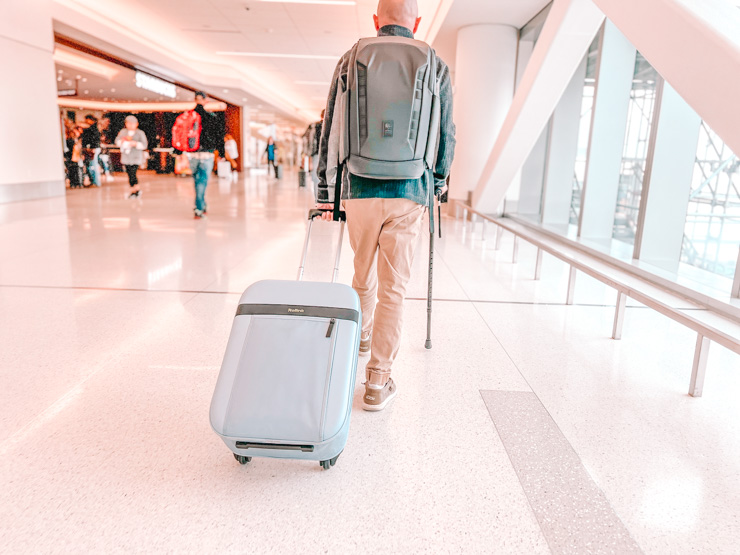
x=114, y=314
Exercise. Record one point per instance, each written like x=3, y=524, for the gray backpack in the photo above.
x=391, y=106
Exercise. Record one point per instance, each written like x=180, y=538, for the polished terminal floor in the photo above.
x=525, y=429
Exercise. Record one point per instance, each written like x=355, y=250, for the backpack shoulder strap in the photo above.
x=434, y=120
x=351, y=74
x=342, y=106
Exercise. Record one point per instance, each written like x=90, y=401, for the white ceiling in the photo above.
x=194, y=31
x=474, y=12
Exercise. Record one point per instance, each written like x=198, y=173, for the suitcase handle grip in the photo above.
x=314, y=212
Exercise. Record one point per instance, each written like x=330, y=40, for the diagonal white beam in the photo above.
x=568, y=31
x=695, y=46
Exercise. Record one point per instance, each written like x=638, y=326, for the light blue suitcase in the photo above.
x=287, y=379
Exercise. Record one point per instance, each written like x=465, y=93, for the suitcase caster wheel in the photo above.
x=326, y=465
x=241, y=459
x=333, y=461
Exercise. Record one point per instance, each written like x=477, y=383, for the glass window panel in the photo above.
x=712, y=232
x=584, y=130
x=634, y=155
x=532, y=173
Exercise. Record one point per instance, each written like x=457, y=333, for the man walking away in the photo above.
x=201, y=161
x=384, y=215
x=91, y=149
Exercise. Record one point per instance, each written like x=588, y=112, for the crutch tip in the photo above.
x=428, y=344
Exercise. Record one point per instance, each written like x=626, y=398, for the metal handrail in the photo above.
x=731, y=342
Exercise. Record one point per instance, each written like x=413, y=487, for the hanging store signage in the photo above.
x=150, y=83
x=67, y=92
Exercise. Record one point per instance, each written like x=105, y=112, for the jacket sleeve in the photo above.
x=86, y=138
x=446, y=147
x=323, y=195
x=142, y=140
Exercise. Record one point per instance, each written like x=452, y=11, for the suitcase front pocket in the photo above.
x=281, y=381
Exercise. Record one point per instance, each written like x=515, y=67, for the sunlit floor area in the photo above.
x=525, y=429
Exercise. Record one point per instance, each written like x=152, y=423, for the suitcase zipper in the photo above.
x=331, y=327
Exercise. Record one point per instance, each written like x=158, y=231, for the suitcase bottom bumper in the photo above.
x=322, y=451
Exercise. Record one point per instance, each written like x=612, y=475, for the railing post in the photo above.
x=538, y=264
x=571, y=286
x=483, y=231
x=499, y=233
x=515, y=252
x=701, y=354
x=619, y=315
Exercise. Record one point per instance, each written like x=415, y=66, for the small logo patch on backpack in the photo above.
x=388, y=128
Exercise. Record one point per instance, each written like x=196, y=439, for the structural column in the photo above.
x=31, y=154
x=484, y=86
x=674, y=136
x=614, y=75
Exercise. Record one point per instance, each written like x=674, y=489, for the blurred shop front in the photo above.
x=91, y=82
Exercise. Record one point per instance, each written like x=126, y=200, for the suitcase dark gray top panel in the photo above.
x=296, y=310
x=301, y=293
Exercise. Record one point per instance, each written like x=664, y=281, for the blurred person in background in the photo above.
x=270, y=150
x=231, y=150
x=132, y=142
x=91, y=149
x=202, y=161
x=105, y=139
x=73, y=154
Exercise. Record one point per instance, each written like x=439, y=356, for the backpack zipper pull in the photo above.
x=331, y=327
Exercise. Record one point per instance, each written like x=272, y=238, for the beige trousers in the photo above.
x=383, y=234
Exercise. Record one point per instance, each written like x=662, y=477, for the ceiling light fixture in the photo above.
x=327, y=2
x=276, y=55
x=70, y=59
x=154, y=84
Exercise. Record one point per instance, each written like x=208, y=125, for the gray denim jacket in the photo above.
x=360, y=187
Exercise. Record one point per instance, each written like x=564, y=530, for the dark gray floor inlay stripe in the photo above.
x=573, y=513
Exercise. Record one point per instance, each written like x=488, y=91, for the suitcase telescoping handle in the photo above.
x=312, y=214
x=337, y=216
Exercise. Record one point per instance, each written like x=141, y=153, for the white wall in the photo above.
x=30, y=133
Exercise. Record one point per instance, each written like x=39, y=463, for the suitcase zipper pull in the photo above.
x=331, y=327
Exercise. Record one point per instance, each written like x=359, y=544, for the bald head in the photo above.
x=397, y=12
